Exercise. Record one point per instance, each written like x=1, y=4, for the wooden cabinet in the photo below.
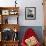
x=9, y=25
x=10, y=43
x=6, y=12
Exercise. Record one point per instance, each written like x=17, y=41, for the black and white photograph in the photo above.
x=30, y=13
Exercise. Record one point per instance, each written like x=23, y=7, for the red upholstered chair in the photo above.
x=29, y=33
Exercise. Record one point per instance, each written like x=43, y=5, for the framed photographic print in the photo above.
x=5, y=12
x=30, y=13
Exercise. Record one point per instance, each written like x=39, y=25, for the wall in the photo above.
x=39, y=13
x=7, y=3
x=27, y=3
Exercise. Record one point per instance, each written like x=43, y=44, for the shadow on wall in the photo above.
x=37, y=29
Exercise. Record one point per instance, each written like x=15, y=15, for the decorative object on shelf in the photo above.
x=6, y=21
x=15, y=34
x=0, y=12
x=13, y=12
x=15, y=29
x=15, y=3
x=7, y=34
x=30, y=13
x=15, y=37
x=5, y=12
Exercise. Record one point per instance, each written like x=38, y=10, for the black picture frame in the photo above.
x=30, y=13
